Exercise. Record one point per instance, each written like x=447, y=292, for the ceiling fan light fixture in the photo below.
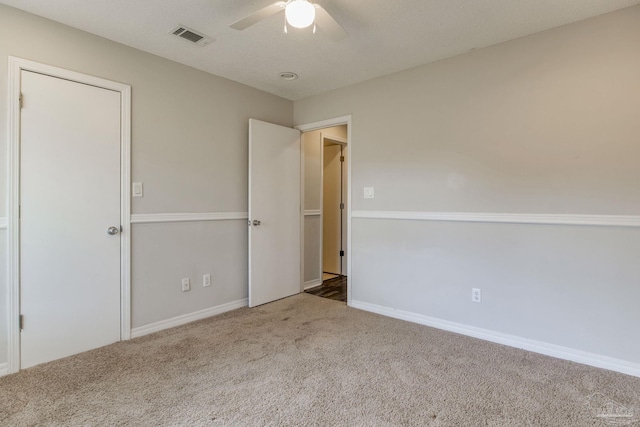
x=300, y=13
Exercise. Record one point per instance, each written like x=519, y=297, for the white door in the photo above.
x=69, y=197
x=274, y=212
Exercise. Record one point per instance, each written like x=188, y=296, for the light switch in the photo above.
x=368, y=192
x=137, y=189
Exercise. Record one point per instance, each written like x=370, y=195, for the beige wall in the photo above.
x=547, y=123
x=312, y=270
x=312, y=169
x=189, y=148
x=544, y=124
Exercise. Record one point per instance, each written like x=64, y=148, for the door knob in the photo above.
x=256, y=222
x=112, y=231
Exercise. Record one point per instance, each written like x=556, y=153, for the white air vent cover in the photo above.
x=191, y=35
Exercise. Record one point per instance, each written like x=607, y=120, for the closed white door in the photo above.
x=69, y=197
x=274, y=212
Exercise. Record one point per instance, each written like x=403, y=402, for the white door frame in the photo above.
x=337, y=121
x=16, y=66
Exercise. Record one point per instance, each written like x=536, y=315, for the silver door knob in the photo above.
x=256, y=222
x=112, y=231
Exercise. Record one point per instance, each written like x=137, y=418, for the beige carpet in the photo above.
x=310, y=361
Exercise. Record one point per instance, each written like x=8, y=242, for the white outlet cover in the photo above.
x=206, y=280
x=368, y=193
x=476, y=295
x=186, y=285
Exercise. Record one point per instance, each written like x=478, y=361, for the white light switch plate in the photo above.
x=137, y=189
x=368, y=192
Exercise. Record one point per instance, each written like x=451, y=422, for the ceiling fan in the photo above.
x=298, y=14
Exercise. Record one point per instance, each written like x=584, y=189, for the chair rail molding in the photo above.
x=506, y=218
x=187, y=217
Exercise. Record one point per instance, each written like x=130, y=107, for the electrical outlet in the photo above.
x=206, y=280
x=368, y=193
x=186, y=285
x=476, y=295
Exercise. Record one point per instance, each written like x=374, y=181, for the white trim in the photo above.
x=343, y=120
x=187, y=217
x=349, y=211
x=541, y=347
x=329, y=123
x=334, y=139
x=125, y=212
x=303, y=213
x=13, y=235
x=4, y=369
x=321, y=150
x=313, y=212
x=16, y=66
x=187, y=318
x=508, y=218
x=312, y=284
x=3, y=223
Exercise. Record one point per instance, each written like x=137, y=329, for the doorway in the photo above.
x=333, y=207
x=326, y=197
x=68, y=209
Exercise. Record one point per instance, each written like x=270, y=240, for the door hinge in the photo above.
x=341, y=206
x=341, y=253
x=20, y=100
x=21, y=321
x=342, y=158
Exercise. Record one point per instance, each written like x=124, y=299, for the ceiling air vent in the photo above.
x=191, y=35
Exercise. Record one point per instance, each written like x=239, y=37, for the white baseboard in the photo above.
x=187, y=318
x=4, y=369
x=547, y=349
x=312, y=284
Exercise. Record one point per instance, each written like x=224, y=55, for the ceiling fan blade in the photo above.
x=328, y=24
x=259, y=15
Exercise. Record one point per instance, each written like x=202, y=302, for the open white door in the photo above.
x=274, y=212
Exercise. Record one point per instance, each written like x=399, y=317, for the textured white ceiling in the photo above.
x=384, y=35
